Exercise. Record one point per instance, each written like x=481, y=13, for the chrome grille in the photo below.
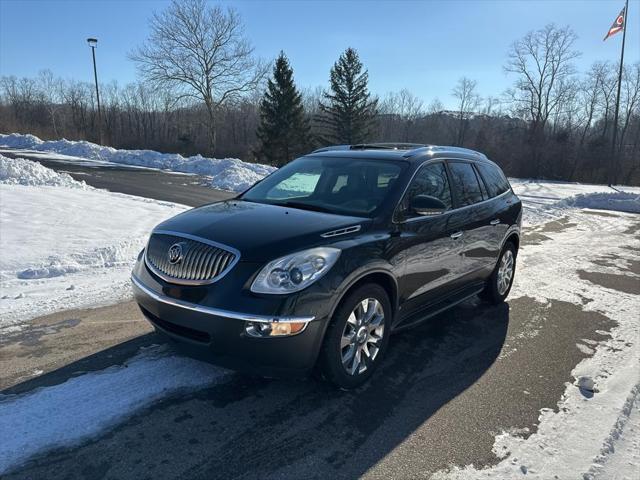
x=201, y=262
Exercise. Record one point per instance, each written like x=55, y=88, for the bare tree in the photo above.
x=468, y=103
x=403, y=109
x=50, y=89
x=491, y=106
x=542, y=61
x=200, y=52
x=630, y=99
x=435, y=106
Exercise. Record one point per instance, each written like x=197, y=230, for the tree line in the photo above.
x=202, y=90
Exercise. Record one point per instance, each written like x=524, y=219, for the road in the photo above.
x=444, y=391
x=171, y=187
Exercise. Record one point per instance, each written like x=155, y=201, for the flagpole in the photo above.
x=612, y=160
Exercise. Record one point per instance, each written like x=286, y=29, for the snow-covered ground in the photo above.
x=225, y=174
x=62, y=415
x=64, y=244
x=72, y=245
x=586, y=436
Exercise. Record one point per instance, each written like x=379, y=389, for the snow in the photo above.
x=226, y=174
x=81, y=407
x=545, y=200
x=589, y=433
x=24, y=172
x=66, y=245
x=58, y=157
x=621, y=456
x=620, y=202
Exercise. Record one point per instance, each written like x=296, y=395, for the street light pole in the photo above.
x=93, y=43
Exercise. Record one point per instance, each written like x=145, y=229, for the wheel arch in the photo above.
x=514, y=238
x=379, y=276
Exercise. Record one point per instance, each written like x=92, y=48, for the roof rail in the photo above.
x=372, y=146
x=387, y=146
x=443, y=149
x=331, y=148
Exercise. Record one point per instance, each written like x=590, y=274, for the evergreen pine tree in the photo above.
x=284, y=131
x=348, y=110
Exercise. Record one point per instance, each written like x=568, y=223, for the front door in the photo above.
x=432, y=257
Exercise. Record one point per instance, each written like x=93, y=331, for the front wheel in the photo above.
x=357, y=337
x=501, y=280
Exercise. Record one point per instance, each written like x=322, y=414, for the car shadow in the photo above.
x=258, y=428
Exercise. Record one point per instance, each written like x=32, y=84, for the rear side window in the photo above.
x=464, y=183
x=495, y=180
x=430, y=180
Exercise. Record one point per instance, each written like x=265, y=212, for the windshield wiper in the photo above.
x=305, y=206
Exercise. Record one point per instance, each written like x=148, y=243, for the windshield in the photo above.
x=344, y=186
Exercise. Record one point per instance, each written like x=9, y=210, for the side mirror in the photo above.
x=427, y=205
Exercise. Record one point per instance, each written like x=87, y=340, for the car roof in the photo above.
x=415, y=153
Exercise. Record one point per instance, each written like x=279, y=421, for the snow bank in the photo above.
x=25, y=172
x=66, y=245
x=226, y=174
x=62, y=415
x=544, y=201
x=618, y=201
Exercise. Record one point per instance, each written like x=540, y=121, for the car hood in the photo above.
x=259, y=231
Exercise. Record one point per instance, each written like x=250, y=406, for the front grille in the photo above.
x=201, y=262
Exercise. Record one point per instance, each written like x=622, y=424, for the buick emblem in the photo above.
x=175, y=253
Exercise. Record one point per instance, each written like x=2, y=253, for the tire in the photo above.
x=496, y=289
x=337, y=358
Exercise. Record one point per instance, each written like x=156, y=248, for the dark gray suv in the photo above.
x=316, y=265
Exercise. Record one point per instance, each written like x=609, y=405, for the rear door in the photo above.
x=498, y=189
x=472, y=216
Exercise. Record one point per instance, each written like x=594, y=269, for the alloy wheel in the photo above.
x=362, y=336
x=505, y=272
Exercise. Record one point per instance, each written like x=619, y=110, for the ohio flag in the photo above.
x=618, y=25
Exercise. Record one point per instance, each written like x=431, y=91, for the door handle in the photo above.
x=456, y=235
x=494, y=222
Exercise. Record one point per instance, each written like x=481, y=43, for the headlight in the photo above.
x=296, y=271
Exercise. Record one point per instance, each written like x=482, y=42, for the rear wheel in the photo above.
x=499, y=284
x=357, y=337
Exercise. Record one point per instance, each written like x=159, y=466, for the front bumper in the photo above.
x=219, y=335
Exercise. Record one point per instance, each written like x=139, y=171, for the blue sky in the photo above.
x=424, y=46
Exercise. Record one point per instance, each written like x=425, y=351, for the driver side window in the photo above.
x=430, y=180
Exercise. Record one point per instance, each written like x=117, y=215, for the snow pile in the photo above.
x=544, y=201
x=67, y=247
x=618, y=201
x=64, y=414
x=19, y=171
x=226, y=174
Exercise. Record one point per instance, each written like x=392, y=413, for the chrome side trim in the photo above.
x=218, y=312
x=341, y=231
x=180, y=281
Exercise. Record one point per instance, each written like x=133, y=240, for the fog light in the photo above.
x=274, y=329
